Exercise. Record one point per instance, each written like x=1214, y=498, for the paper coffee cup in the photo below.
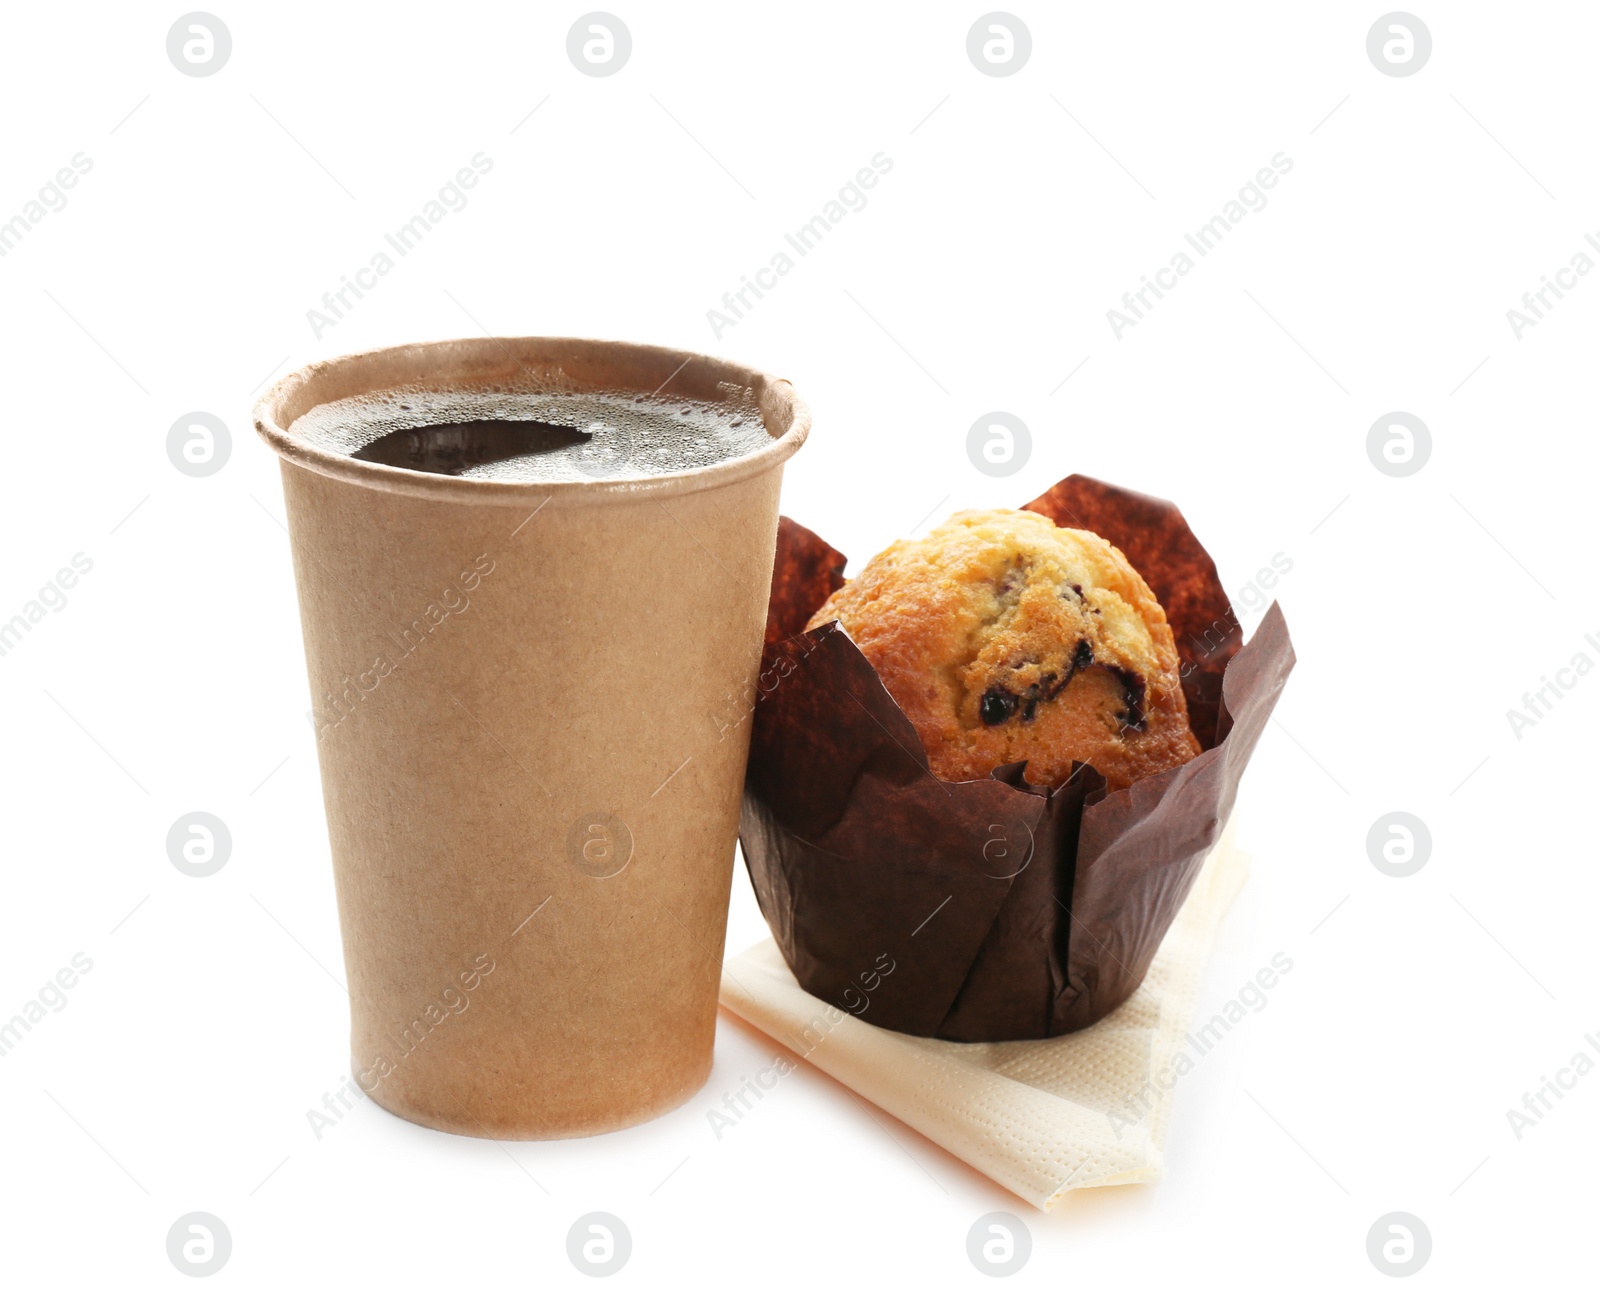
x=532, y=704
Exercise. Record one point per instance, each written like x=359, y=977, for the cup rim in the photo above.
x=585, y=361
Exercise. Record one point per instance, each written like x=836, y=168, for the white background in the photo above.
x=1018, y=210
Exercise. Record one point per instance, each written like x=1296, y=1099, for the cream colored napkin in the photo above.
x=1040, y=1117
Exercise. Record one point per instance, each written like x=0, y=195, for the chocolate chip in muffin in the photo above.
x=1133, y=688
x=999, y=705
x=996, y=706
x=1041, y=689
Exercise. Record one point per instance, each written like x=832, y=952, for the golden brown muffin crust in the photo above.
x=1005, y=638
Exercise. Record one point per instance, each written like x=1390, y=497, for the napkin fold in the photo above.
x=1039, y=1117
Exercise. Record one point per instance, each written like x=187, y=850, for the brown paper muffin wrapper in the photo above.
x=987, y=909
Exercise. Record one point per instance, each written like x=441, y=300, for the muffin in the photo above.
x=1006, y=639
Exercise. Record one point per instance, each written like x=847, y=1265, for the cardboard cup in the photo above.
x=532, y=706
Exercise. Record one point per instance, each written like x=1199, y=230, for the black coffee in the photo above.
x=508, y=434
x=458, y=447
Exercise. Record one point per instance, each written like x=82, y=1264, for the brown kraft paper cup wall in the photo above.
x=529, y=701
x=988, y=909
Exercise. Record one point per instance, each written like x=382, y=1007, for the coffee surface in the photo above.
x=506, y=433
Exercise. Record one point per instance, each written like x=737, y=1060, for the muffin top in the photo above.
x=1005, y=639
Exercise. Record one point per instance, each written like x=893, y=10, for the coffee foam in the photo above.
x=628, y=435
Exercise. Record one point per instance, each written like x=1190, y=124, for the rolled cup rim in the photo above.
x=487, y=359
